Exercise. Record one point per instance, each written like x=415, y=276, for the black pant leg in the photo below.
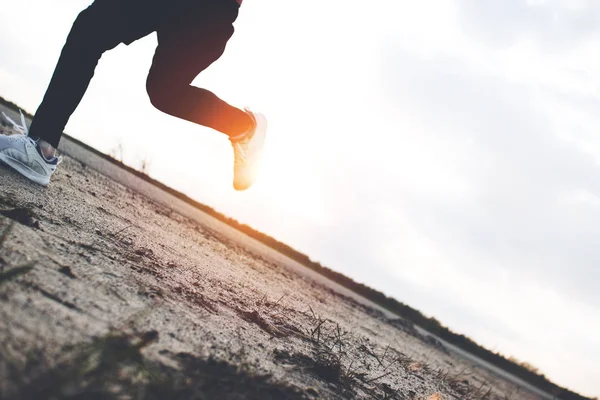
x=97, y=29
x=189, y=41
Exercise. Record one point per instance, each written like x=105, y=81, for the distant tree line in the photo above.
x=522, y=370
x=13, y=106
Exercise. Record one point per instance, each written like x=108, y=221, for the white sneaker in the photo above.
x=247, y=152
x=22, y=153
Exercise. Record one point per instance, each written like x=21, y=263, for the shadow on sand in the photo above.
x=113, y=367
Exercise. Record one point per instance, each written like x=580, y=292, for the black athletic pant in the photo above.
x=192, y=34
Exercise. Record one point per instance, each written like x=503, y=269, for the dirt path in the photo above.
x=91, y=158
x=105, y=294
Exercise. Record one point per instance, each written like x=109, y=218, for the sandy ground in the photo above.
x=105, y=294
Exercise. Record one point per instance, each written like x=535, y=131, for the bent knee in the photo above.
x=162, y=92
x=156, y=93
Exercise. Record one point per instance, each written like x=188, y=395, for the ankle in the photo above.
x=47, y=149
x=246, y=130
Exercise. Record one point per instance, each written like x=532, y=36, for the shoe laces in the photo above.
x=24, y=131
x=240, y=146
x=21, y=129
x=26, y=140
x=241, y=151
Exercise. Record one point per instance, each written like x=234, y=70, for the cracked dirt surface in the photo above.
x=105, y=294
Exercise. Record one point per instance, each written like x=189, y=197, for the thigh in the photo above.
x=126, y=20
x=191, y=37
x=101, y=26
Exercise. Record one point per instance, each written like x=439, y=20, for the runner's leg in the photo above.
x=97, y=29
x=187, y=44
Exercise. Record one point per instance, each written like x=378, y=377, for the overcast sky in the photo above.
x=445, y=152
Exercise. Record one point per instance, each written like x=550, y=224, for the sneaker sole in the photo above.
x=25, y=170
